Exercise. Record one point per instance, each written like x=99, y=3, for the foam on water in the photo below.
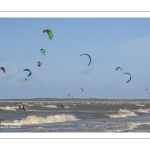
x=39, y=120
x=66, y=106
x=30, y=105
x=74, y=104
x=39, y=129
x=139, y=105
x=88, y=103
x=127, y=126
x=9, y=108
x=36, y=110
x=50, y=106
x=122, y=113
x=143, y=110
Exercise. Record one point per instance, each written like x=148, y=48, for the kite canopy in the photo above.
x=39, y=63
x=118, y=68
x=49, y=32
x=3, y=69
x=29, y=71
x=42, y=51
x=129, y=75
x=82, y=89
x=88, y=56
x=25, y=80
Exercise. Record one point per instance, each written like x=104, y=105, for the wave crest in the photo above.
x=122, y=113
x=8, y=108
x=40, y=120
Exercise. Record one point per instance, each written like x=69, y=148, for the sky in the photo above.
x=111, y=43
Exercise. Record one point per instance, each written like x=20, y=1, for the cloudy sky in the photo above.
x=111, y=42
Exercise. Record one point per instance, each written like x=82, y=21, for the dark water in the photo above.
x=78, y=115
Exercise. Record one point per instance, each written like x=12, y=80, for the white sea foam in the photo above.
x=40, y=120
x=40, y=103
x=74, y=104
x=38, y=129
x=9, y=108
x=50, y=106
x=143, y=110
x=127, y=126
x=122, y=113
x=25, y=103
x=139, y=105
x=30, y=105
x=66, y=106
x=36, y=110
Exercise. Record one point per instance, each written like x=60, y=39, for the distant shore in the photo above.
x=72, y=100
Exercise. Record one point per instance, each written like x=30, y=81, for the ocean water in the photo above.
x=78, y=115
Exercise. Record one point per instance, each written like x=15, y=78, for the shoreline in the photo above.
x=73, y=100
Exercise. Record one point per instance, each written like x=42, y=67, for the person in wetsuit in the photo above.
x=20, y=107
x=24, y=108
x=62, y=105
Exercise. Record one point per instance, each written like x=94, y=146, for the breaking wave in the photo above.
x=66, y=106
x=50, y=106
x=39, y=120
x=8, y=108
x=143, y=110
x=139, y=105
x=122, y=113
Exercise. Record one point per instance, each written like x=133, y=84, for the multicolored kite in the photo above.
x=39, y=63
x=25, y=80
x=42, y=51
x=3, y=69
x=49, y=32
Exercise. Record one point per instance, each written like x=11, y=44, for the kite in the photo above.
x=88, y=56
x=3, y=69
x=118, y=68
x=25, y=80
x=42, y=51
x=39, y=63
x=129, y=75
x=49, y=32
x=29, y=71
x=82, y=89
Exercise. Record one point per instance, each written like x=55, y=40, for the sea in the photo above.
x=74, y=115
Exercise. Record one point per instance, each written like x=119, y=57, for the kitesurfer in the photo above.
x=24, y=108
x=62, y=105
x=20, y=107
